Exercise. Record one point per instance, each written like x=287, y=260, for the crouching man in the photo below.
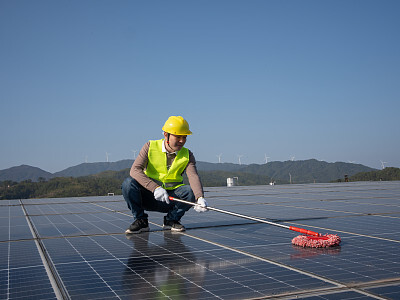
x=156, y=174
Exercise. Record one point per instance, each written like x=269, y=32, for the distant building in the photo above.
x=232, y=181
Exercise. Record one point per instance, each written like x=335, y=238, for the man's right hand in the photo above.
x=161, y=195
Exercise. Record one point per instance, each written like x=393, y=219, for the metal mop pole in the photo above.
x=301, y=230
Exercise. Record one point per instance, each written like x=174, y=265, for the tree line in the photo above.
x=59, y=187
x=387, y=174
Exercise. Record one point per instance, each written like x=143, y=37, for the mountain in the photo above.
x=306, y=171
x=24, y=172
x=86, y=169
x=227, y=167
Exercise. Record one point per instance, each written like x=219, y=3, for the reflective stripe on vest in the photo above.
x=157, y=166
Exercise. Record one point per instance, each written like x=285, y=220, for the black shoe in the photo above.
x=138, y=226
x=173, y=225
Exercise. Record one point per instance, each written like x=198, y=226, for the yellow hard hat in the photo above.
x=177, y=125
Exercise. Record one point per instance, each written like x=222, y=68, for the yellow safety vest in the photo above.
x=157, y=166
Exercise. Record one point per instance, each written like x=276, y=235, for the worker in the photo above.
x=156, y=174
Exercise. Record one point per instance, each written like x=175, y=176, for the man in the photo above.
x=156, y=174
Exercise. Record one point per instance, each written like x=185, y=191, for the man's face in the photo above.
x=176, y=142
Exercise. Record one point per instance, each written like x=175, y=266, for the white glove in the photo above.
x=161, y=195
x=201, y=205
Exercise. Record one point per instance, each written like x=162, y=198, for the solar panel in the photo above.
x=70, y=248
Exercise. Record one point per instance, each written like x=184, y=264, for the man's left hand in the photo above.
x=201, y=205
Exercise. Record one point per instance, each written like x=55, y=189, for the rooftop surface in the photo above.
x=75, y=248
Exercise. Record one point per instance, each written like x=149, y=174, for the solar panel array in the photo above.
x=75, y=248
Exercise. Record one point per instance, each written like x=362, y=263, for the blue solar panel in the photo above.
x=389, y=291
x=23, y=273
x=81, y=251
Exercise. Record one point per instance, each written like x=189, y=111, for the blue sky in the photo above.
x=303, y=79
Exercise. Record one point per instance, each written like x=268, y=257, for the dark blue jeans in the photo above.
x=140, y=199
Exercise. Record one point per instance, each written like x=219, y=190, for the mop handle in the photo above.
x=301, y=230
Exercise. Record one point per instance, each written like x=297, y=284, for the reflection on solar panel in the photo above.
x=75, y=248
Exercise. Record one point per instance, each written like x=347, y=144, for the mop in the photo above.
x=307, y=239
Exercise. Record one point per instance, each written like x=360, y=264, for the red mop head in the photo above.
x=322, y=241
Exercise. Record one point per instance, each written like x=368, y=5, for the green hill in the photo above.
x=386, y=174
x=86, y=169
x=24, y=172
x=306, y=171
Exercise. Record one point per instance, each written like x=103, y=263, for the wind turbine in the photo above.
x=239, y=156
x=266, y=158
x=292, y=158
x=134, y=154
x=219, y=157
x=107, y=154
x=86, y=157
x=383, y=164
